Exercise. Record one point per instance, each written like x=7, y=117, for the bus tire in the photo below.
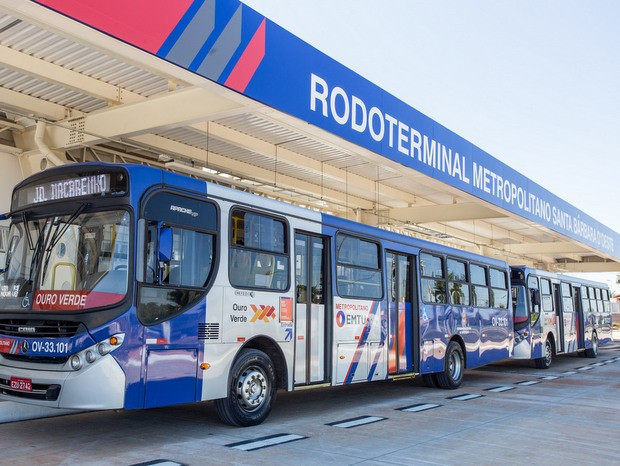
x=592, y=352
x=454, y=366
x=545, y=361
x=252, y=390
x=430, y=380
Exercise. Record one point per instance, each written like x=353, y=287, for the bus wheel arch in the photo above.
x=251, y=389
x=544, y=362
x=454, y=365
x=592, y=352
x=273, y=350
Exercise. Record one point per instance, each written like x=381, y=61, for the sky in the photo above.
x=535, y=84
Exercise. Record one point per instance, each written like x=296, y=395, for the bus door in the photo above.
x=400, y=321
x=559, y=321
x=579, y=316
x=311, y=338
x=569, y=318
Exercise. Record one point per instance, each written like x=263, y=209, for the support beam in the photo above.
x=358, y=185
x=32, y=106
x=560, y=247
x=443, y=213
x=589, y=267
x=52, y=73
x=174, y=109
x=249, y=171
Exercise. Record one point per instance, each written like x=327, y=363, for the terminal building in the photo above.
x=217, y=91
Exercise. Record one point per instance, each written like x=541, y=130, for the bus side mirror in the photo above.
x=164, y=252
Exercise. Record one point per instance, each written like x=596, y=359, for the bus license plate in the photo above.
x=23, y=385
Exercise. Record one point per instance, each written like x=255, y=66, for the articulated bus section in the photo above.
x=556, y=314
x=134, y=287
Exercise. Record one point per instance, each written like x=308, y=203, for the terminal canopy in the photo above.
x=216, y=91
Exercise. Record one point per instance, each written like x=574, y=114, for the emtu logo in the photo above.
x=340, y=319
x=263, y=313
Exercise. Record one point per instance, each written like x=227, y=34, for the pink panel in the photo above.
x=143, y=23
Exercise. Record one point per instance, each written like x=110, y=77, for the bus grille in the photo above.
x=209, y=331
x=36, y=359
x=39, y=391
x=40, y=328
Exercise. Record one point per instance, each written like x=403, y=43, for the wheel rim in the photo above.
x=548, y=354
x=595, y=344
x=455, y=366
x=252, y=389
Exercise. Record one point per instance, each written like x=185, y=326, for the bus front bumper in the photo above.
x=97, y=386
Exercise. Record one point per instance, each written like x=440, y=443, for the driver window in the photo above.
x=179, y=255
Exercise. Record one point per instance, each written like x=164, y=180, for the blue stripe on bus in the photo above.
x=361, y=343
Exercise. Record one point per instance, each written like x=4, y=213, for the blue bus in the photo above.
x=130, y=287
x=558, y=314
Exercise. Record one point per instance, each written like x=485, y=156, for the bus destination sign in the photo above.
x=68, y=189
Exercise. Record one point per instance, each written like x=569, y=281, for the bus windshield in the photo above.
x=66, y=263
x=519, y=305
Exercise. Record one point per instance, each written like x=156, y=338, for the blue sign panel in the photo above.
x=232, y=44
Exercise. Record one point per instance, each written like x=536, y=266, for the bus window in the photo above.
x=585, y=302
x=567, y=297
x=458, y=289
x=499, y=291
x=599, y=303
x=546, y=297
x=480, y=292
x=592, y=299
x=258, y=254
x=433, y=284
x=358, y=268
x=606, y=304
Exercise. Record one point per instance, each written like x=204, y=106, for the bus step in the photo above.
x=403, y=376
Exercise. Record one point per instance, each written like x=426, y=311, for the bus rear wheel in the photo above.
x=252, y=390
x=545, y=361
x=454, y=366
x=593, y=352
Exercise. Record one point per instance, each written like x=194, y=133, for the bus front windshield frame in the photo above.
x=71, y=262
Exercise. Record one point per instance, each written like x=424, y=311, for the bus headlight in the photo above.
x=93, y=353
x=103, y=348
x=90, y=356
x=76, y=362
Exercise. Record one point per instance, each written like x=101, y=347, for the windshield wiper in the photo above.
x=56, y=235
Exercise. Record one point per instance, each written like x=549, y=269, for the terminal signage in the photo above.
x=228, y=42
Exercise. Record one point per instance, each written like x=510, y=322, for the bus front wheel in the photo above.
x=545, y=361
x=593, y=352
x=252, y=390
x=454, y=366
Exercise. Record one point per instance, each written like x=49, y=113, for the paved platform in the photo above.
x=509, y=413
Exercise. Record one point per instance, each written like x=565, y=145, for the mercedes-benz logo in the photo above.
x=25, y=346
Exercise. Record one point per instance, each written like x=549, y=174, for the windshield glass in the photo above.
x=66, y=263
x=519, y=305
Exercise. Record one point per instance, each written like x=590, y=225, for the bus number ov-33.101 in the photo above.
x=49, y=347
